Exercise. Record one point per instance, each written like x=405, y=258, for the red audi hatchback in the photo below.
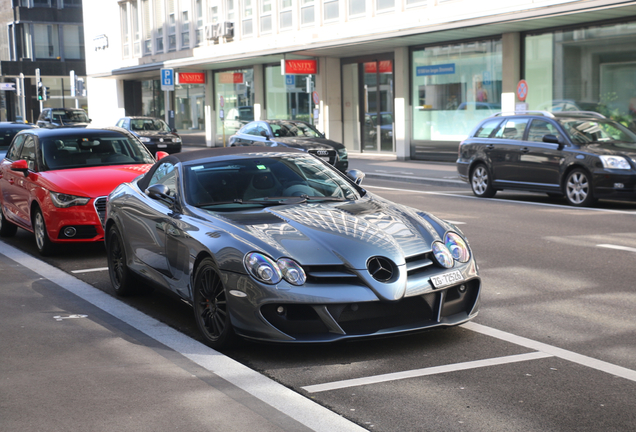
x=54, y=182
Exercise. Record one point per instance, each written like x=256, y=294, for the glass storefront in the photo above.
x=588, y=69
x=235, y=98
x=152, y=99
x=189, y=106
x=453, y=87
x=286, y=96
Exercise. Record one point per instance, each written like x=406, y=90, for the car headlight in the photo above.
x=144, y=139
x=443, y=255
x=457, y=247
x=266, y=270
x=176, y=140
x=64, y=200
x=342, y=153
x=615, y=162
x=292, y=271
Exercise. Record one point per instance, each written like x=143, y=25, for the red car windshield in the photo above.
x=90, y=151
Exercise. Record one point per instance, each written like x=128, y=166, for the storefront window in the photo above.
x=152, y=99
x=286, y=95
x=189, y=109
x=235, y=97
x=455, y=86
x=588, y=69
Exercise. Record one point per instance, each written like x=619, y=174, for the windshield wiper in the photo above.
x=263, y=201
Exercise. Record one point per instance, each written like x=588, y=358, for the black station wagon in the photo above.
x=580, y=155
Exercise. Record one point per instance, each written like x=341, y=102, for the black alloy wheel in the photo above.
x=42, y=240
x=578, y=188
x=7, y=229
x=211, y=310
x=121, y=278
x=480, y=182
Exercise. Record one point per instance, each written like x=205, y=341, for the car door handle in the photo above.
x=525, y=150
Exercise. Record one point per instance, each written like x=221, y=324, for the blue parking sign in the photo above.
x=167, y=79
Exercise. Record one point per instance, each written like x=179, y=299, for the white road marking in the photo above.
x=453, y=194
x=424, y=372
x=98, y=269
x=292, y=404
x=618, y=247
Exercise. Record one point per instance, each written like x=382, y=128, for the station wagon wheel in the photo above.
x=211, y=310
x=578, y=188
x=121, y=278
x=7, y=229
x=480, y=182
x=42, y=240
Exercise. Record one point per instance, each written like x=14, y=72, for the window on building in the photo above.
x=229, y=10
x=159, y=20
x=307, y=14
x=73, y=42
x=266, y=16
x=331, y=10
x=136, y=28
x=198, y=10
x=172, y=25
x=27, y=43
x=72, y=3
x=125, y=29
x=185, y=29
x=357, y=7
x=285, y=14
x=147, y=26
x=46, y=41
x=385, y=4
x=247, y=17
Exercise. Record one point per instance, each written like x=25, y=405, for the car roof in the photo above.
x=590, y=115
x=16, y=125
x=142, y=118
x=72, y=132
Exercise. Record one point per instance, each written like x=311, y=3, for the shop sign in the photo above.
x=191, y=77
x=386, y=66
x=443, y=69
x=301, y=67
x=231, y=78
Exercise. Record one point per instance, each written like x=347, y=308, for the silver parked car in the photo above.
x=275, y=244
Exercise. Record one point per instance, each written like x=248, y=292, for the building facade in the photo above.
x=45, y=36
x=403, y=77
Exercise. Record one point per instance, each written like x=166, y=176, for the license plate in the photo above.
x=162, y=145
x=446, y=279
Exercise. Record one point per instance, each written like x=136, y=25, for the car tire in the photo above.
x=121, y=277
x=579, y=189
x=7, y=229
x=211, y=310
x=43, y=242
x=480, y=182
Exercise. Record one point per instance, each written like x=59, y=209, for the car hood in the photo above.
x=309, y=143
x=90, y=182
x=343, y=233
x=155, y=134
x=611, y=148
x=72, y=124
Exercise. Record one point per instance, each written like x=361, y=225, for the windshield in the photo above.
x=293, y=129
x=589, y=131
x=93, y=150
x=267, y=180
x=149, y=125
x=69, y=116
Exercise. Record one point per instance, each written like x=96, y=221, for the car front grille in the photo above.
x=100, y=208
x=326, y=155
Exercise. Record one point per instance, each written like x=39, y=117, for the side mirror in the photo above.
x=264, y=134
x=160, y=192
x=90, y=120
x=356, y=175
x=173, y=130
x=553, y=139
x=21, y=166
x=161, y=155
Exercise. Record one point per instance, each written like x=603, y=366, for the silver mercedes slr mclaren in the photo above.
x=274, y=244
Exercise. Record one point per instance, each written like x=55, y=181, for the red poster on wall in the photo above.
x=191, y=78
x=301, y=67
x=386, y=66
x=231, y=78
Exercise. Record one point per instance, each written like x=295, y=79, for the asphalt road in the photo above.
x=553, y=348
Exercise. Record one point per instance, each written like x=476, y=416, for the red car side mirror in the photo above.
x=22, y=166
x=161, y=155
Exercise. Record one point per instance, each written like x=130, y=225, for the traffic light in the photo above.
x=45, y=93
x=40, y=91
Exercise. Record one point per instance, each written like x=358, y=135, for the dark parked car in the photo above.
x=63, y=117
x=295, y=134
x=7, y=131
x=154, y=133
x=273, y=244
x=580, y=155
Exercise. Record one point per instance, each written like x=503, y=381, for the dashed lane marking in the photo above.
x=98, y=269
x=617, y=247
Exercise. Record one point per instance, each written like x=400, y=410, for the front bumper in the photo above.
x=615, y=184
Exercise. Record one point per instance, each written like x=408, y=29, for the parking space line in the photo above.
x=583, y=360
x=610, y=246
x=425, y=371
x=98, y=269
